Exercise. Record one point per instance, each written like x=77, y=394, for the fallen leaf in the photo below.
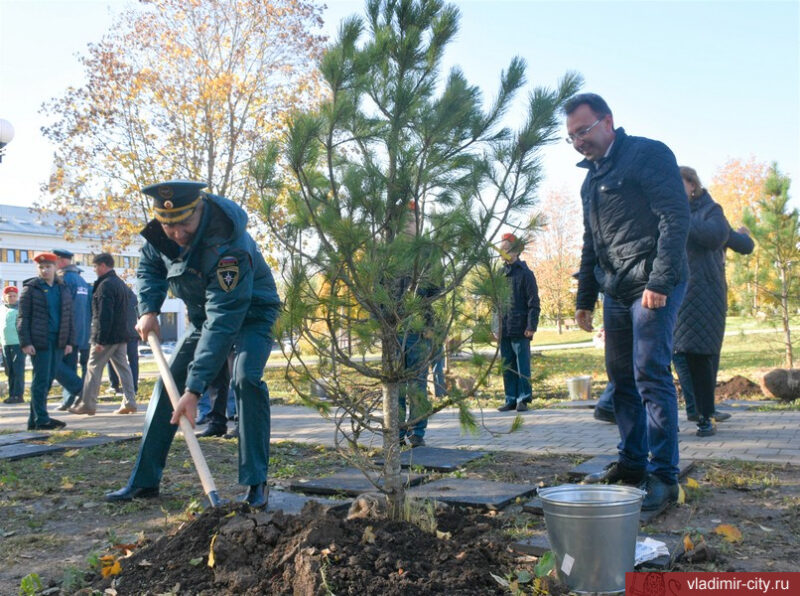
x=443, y=535
x=231, y=514
x=211, y=561
x=687, y=543
x=145, y=563
x=114, y=569
x=124, y=547
x=461, y=556
x=369, y=536
x=500, y=580
x=765, y=528
x=692, y=483
x=70, y=453
x=728, y=532
x=681, y=495
x=196, y=561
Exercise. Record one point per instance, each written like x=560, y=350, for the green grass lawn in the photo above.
x=743, y=353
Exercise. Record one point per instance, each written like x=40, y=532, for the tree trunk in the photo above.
x=787, y=334
x=393, y=485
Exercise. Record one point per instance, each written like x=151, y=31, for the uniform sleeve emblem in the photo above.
x=228, y=273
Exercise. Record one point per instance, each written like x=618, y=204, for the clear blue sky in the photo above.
x=714, y=80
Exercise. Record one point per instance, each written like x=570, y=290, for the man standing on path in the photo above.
x=198, y=248
x=81, y=293
x=132, y=348
x=636, y=221
x=518, y=323
x=110, y=336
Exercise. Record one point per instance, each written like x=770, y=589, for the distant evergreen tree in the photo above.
x=776, y=230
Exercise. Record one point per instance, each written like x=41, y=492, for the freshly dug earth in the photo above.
x=54, y=525
x=737, y=388
x=318, y=552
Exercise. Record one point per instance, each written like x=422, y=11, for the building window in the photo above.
x=126, y=262
x=11, y=256
x=23, y=256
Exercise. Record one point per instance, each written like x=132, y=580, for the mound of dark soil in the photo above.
x=737, y=388
x=319, y=552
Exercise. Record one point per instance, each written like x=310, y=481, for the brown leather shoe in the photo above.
x=126, y=410
x=81, y=410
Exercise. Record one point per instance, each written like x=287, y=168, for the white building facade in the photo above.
x=24, y=233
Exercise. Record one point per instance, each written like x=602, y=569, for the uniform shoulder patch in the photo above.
x=228, y=273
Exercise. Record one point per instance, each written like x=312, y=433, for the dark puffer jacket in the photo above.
x=110, y=310
x=635, y=221
x=33, y=319
x=701, y=319
x=523, y=311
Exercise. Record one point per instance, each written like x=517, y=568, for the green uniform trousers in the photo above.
x=251, y=350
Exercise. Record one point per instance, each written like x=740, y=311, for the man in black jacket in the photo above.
x=636, y=221
x=518, y=324
x=109, y=337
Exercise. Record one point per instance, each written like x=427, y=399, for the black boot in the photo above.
x=132, y=492
x=257, y=495
x=705, y=428
x=213, y=430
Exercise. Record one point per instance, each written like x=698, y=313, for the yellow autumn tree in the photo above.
x=555, y=254
x=738, y=185
x=177, y=89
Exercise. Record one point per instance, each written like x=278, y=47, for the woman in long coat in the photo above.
x=701, y=319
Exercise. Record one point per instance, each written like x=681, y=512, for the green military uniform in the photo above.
x=231, y=302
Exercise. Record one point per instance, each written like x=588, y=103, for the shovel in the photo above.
x=186, y=427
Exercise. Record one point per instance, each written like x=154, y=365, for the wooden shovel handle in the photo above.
x=186, y=427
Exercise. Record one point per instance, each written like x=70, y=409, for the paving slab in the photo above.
x=577, y=404
x=599, y=463
x=292, y=503
x=20, y=437
x=471, y=492
x=437, y=459
x=749, y=405
x=539, y=544
x=94, y=441
x=350, y=482
x=23, y=450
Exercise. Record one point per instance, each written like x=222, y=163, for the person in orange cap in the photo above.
x=46, y=333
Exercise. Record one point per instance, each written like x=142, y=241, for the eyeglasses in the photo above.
x=581, y=134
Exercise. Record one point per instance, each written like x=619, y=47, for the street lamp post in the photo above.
x=6, y=136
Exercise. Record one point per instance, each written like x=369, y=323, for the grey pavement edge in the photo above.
x=769, y=437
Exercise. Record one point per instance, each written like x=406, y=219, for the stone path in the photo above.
x=748, y=435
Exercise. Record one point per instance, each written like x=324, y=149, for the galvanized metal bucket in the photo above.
x=580, y=387
x=592, y=531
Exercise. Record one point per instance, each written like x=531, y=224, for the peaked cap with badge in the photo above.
x=175, y=200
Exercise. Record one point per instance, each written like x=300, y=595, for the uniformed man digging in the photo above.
x=198, y=248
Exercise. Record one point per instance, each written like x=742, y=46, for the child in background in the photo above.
x=13, y=358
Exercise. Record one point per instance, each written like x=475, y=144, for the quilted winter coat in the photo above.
x=635, y=219
x=701, y=318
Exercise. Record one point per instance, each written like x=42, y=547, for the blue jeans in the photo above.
x=45, y=364
x=416, y=349
x=439, y=382
x=516, y=355
x=606, y=401
x=251, y=351
x=67, y=374
x=15, y=369
x=638, y=354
